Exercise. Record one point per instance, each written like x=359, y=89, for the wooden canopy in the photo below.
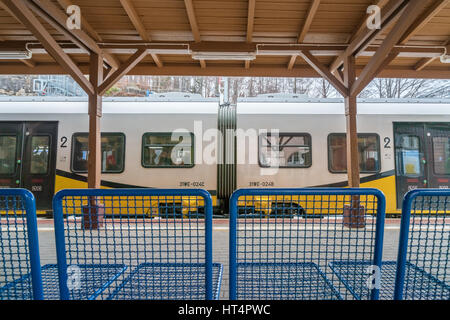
x=338, y=40
x=173, y=30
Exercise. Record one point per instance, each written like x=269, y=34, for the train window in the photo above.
x=8, y=145
x=167, y=150
x=113, y=152
x=369, y=153
x=286, y=150
x=40, y=148
x=441, y=155
x=409, y=156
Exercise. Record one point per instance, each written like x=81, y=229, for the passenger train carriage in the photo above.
x=179, y=140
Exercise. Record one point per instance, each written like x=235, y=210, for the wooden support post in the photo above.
x=350, y=116
x=95, y=113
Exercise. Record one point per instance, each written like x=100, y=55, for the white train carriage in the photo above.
x=186, y=141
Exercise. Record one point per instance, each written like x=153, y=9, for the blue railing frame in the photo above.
x=404, y=234
x=381, y=212
x=59, y=225
x=33, y=239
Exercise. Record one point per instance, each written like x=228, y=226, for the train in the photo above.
x=182, y=140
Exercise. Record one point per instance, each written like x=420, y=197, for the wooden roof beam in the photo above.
x=250, y=19
x=314, y=6
x=123, y=70
x=365, y=36
x=50, y=10
x=324, y=72
x=410, y=13
x=28, y=62
x=135, y=20
x=139, y=26
x=423, y=63
x=414, y=28
x=192, y=20
x=84, y=23
x=157, y=60
x=110, y=59
x=27, y=18
x=437, y=6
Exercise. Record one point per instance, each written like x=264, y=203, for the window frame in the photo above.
x=185, y=166
x=360, y=135
x=423, y=171
x=295, y=134
x=432, y=155
x=14, y=173
x=72, y=153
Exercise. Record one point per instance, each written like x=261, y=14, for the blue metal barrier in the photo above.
x=284, y=243
x=423, y=267
x=20, y=277
x=162, y=237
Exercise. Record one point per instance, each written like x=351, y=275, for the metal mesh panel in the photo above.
x=282, y=242
x=20, y=277
x=157, y=235
x=423, y=271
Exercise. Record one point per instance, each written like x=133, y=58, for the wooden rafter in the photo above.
x=414, y=28
x=192, y=20
x=229, y=70
x=27, y=18
x=51, y=11
x=324, y=72
x=135, y=20
x=111, y=59
x=247, y=64
x=28, y=62
x=309, y=19
x=157, y=60
x=139, y=26
x=250, y=19
x=423, y=63
x=314, y=6
x=410, y=13
x=292, y=62
x=123, y=70
x=437, y=6
x=194, y=26
x=364, y=36
x=84, y=23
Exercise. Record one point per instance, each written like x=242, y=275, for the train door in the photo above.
x=438, y=147
x=410, y=158
x=422, y=156
x=28, y=158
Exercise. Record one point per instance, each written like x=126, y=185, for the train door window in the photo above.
x=441, y=155
x=285, y=150
x=409, y=156
x=112, y=148
x=167, y=150
x=8, y=151
x=40, y=149
x=368, y=148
